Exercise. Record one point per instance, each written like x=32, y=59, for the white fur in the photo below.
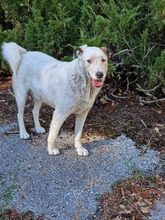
x=66, y=86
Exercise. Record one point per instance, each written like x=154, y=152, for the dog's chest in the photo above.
x=83, y=92
x=84, y=100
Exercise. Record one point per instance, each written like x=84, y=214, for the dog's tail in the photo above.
x=12, y=54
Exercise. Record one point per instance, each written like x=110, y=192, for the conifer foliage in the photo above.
x=135, y=28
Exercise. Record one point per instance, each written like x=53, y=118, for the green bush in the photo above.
x=136, y=28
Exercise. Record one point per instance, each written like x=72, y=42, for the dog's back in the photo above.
x=14, y=55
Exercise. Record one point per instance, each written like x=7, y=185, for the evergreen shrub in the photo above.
x=56, y=27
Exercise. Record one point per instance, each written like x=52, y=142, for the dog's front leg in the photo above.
x=80, y=120
x=56, y=123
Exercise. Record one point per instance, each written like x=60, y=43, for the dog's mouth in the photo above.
x=97, y=83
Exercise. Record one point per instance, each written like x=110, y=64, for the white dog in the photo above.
x=69, y=87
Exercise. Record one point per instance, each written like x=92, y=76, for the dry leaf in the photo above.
x=144, y=210
x=145, y=194
x=156, y=129
x=122, y=206
x=122, y=192
x=136, y=189
x=103, y=101
x=159, y=111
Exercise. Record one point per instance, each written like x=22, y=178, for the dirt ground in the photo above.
x=109, y=117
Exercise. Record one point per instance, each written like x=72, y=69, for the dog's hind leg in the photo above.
x=21, y=96
x=80, y=120
x=36, y=109
x=56, y=123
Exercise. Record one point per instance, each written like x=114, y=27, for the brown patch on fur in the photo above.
x=107, y=52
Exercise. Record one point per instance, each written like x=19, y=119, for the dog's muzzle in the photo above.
x=97, y=83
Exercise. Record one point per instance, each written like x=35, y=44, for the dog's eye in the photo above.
x=103, y=60
x=89, y=61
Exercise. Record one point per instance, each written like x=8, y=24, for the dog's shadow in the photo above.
x=90, y=145
x=99, y=143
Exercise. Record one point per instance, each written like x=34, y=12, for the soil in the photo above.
x=145, y=124
x=109, y=117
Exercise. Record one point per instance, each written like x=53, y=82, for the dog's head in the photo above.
x=94, y=63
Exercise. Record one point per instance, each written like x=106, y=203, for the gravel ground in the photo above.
x=64, y=187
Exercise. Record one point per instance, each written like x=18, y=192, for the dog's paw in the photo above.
x=82, y=152
x=40, y=130
x=24, y=135
x=54, y=151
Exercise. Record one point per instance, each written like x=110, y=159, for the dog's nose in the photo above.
x=99, y=74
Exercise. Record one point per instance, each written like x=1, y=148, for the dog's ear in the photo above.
x=80, y=50
x=107, y=52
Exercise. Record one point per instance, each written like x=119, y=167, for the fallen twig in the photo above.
x=135, y=207
x=107, y=98
x=127, y=86
x=118, y=97
x=11, y=92
x=149, y=141
x=143, y=123
x=89, y=138
x=142, y=101
x=11, y=132
x=148, y=93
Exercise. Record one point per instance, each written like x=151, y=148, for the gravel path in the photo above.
x=64, y=187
